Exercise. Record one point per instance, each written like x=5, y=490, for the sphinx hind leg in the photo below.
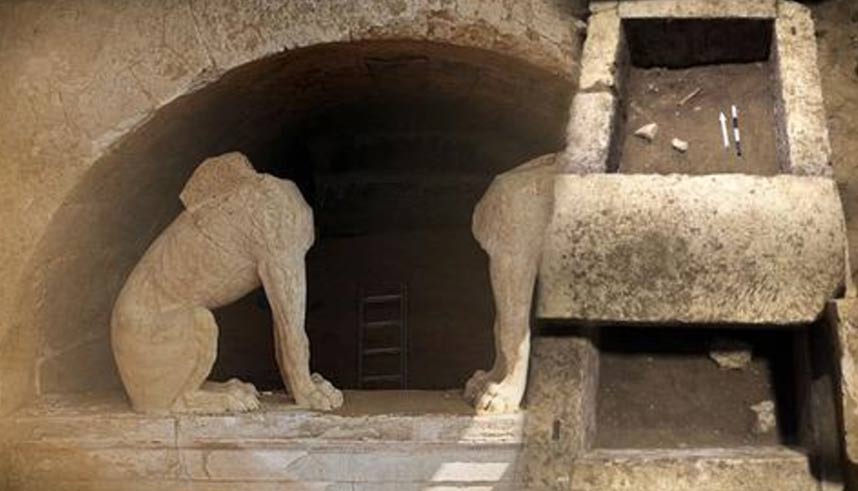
x=509, y=223
x=165, y=360
x=199, y=396
x=513, y=278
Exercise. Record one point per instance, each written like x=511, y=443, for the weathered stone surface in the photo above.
x=360, y=463
x=843, y=315
x=766, y=420
x=173, y=485
x=161, y=485
x=726, y=248
x=590, y=146
x=241, y=229
x=638, y=9
x=280, y=444
x=509, y=223
x=597, y=6
x=647, y=132
x=560, y=424
x=679, y=145
x=605, y=57
x=803, y=143
x=760, y=469
x=80, y=463
x=731, y=354
x=277, y=422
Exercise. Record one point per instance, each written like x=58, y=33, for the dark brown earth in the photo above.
x=653, y=97
x=658, y=388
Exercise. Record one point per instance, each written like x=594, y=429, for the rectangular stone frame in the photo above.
x=802, y=135
x=593, y=147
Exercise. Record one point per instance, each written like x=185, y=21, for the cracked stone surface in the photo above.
x=96, y=442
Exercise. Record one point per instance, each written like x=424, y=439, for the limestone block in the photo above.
x=605, y=56
x=369, y=463
x=803, y=143
x=561, y=408
x=597, y=6
x=764, y=469
x=94, y=430
x=45, y=462
x=64, y=442
x=185, y=485
x=724, y=248
x=590, y=146
x=176, y=485
x=643, y=9
x=843, y=315
x=277, y=422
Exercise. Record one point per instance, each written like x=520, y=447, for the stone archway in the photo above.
x=80, y=76
x=503, y=109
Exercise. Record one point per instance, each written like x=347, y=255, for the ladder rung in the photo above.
x=381, y=324
x=382, y=351
x=395, y=297
x=381, y=378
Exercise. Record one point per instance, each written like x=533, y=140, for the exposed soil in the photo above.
x=658, y=388
x=837, y=37
x=653, y=96
x=416, y=402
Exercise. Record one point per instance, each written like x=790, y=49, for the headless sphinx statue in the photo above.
x=509, y=222
x=240, y=229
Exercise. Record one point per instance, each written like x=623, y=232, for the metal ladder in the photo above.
x=393, y=303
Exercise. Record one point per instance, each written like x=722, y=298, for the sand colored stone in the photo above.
x=240, y=229
x=590, y=142
x=642, y=9
x=509, y=222
x=843, y=315
x=387, y=442
x=60, y=443
x=726, y=248
x=760, y=469
x=604, y=57
x=803, y=143
x=560, y=424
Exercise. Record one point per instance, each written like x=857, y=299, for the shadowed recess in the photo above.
x=392, y=143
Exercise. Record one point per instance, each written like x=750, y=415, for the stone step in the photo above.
x=428, y=440
x=717, y=469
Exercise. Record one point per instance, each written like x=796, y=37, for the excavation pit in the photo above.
x=683, y=74
x=680, y=65
x=660, y=388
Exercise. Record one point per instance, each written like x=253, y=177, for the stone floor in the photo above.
x=396, y=441
x=399, y=441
